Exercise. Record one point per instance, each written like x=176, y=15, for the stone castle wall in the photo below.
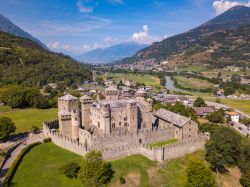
x=63, y=141
x=120, y=145
x=158, y=154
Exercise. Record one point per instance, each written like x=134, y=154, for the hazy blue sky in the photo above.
x=76, y=26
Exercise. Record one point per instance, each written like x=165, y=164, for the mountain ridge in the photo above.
x=9, y=27
x=175, y=47
x=111, y=53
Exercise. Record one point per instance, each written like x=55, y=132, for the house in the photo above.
x=203, y=111
x=234, y=116
x=183, y=127
x=220, y=92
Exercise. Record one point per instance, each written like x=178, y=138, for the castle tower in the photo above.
x=75, y=116
x=106, y=118
x=111, y=93
x=141, y=94
x=64, y=118
x=86, y=102
x=67, y=103
x=132, y=111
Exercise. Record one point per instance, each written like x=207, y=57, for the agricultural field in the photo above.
x=194, y=68
x=24, y=119
x=240, y=104
x=148, y=80
x=193, y=83
x=137, y=170
x=224, y=74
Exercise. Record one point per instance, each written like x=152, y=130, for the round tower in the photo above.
x=75, y=116
x=105, y=112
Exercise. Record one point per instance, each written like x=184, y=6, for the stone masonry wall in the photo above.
x=121, y=146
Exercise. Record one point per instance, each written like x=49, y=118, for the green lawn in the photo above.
x=148, y=80
x=174, y=171
x=134, y=169
x=162, y=143
x=26, y=118
x=40, y=168
x=193, y=83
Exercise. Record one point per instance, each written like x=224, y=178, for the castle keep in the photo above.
x=119, y=127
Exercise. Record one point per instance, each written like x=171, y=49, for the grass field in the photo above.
x=40, y=167
x=193, y=83
x=242, y=105
x=194, y=67
x=24, y=119
x=137, y=170
x=148, y=80
x=163, y=143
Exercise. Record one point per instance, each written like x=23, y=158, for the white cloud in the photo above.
x=144, y=36
x=222, y=5
x=116, y=1
x=56, y=45
x=83, y=8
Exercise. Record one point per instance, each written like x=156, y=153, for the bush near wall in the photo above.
x=10, y=173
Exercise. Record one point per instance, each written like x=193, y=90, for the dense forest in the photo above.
x=23, y=61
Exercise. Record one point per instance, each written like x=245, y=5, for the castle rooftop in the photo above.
x=64, y=113
x=68, y=97
x=85, y=97
x=172, y=117
x=111, y=88
x=115, y=104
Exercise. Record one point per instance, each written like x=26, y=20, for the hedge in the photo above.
x=46, y=140
x=10, y=173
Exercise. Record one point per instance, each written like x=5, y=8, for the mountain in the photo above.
x=112, y=53
x=23, y=61
x=223, y=39
x=7, y=26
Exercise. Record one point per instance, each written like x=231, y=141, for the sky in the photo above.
x=77, y=26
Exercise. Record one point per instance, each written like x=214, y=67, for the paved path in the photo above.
x=31, y=139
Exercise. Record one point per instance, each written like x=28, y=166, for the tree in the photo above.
x=70, y=169
x=47, y=89
x=217, y=116
x=6, y=127
x=223, y=149
x=199, y=175
x=199, y=102
x=94, y=170
x=245, y=179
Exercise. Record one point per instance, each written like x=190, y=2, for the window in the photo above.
x=98, y=124
x=189, y=129
x=76, y=119
x=120, y=123
x=125, y=124
x=125, y=119
x=113, y=125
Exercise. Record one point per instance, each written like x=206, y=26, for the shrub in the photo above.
x=122, y=180
x=6, y=127
x=70, y=169
x=10, y=173
x=46, y=140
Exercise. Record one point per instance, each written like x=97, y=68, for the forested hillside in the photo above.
x=23, y=61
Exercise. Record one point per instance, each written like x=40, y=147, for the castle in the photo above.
x=118, y=126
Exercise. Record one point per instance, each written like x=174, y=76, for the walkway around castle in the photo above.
x=20, y=145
